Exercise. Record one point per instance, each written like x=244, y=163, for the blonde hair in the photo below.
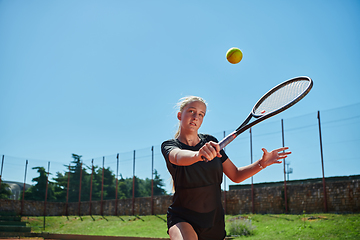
x=183, y=102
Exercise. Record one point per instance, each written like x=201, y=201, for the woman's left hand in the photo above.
x=275, y=156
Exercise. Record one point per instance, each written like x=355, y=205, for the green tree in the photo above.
x=61, y=181
x=124, y=188
x=109, y=184
x=97, y=180
x=142, y=187
x=37, y=192
x=74, y=185
x=158, y=185
x=60, y=186
x=5, y=192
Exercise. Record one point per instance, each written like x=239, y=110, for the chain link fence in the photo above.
x=143, y=172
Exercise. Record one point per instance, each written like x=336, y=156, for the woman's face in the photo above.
x=192, y=116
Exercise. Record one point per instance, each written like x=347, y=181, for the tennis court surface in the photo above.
x=50, y=236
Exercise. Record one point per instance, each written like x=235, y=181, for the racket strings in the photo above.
x=281, y=97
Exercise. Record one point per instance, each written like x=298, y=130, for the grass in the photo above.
x=136, y=226
x=269, y=226
x=305, y=226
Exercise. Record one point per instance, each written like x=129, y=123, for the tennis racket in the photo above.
x=275, y=101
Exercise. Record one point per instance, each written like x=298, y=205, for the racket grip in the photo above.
x=228, y=139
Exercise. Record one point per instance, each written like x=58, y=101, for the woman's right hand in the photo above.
x=209, y=151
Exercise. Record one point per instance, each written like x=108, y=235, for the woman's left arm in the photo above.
x=238, y=175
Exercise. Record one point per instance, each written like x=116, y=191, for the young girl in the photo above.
x=196, y=211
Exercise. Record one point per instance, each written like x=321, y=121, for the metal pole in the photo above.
x=252, y=182
x=91, y=180
x=67, y=193
x=2, y=164
x=152, y=180
x=102, y=188
x=133, y=190
x=46, y=191
x=116, y=188
x=283, y=144
x=23, y=193
x=80, y=189
x=322, y=163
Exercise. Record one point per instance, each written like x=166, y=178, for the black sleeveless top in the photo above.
x=197, y=197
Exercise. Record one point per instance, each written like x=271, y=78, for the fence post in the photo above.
x=2, y=164
x=152, y=180
x=116, y=188
x=46, y=191
x=102, y=189
x=80, y=189
x=23, y=193
x=67, y=194
x=91, y=180
x=283, y=144
x=133, y=190
x=322, y=163
x=252, y=178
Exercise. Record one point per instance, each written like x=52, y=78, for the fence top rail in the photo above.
x=294, y=182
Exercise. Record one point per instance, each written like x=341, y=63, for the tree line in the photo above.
x=57, y=188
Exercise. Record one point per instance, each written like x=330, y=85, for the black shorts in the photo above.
x=216, y=232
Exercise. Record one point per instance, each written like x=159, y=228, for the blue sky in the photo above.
x=97, y=78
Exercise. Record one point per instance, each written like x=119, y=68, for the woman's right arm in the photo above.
x=182, y=157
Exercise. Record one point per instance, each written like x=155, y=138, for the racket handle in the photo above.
x=228, y=139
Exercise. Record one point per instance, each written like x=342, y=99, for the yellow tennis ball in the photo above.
x=234, y=55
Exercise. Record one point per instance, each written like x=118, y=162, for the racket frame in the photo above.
x=259, y=118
